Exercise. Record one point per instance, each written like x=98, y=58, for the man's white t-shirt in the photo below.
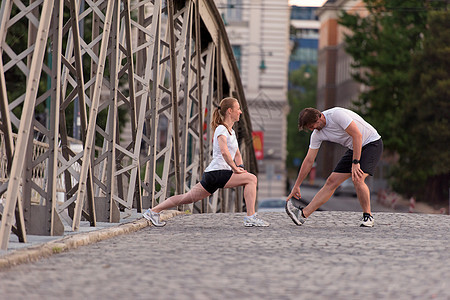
x=337, y=120
x=218, y=162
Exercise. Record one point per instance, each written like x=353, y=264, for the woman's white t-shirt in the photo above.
x=337, y=120
x=218, y=162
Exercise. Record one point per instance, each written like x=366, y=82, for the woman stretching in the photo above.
x=226, y=169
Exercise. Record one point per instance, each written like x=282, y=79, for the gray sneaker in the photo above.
x=367, y=220
x=254, y=221
x=294, y=211
x=154, y=218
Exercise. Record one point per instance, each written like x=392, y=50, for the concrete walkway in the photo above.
x=213, y=256
x=38, y=247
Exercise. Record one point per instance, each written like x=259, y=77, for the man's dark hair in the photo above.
x=307, y=117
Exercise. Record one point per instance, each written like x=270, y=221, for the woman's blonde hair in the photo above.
x=219, y=112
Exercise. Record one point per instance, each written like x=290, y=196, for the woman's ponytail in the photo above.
x=216, y=118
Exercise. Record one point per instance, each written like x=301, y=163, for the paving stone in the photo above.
x=213, y=256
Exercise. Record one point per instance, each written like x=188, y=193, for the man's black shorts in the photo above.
x=214, y=180
x=370, y=156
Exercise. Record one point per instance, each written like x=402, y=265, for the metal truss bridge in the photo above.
x=158, y=67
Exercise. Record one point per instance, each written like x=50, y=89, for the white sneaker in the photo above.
x=154, y=218
x=367, y=220
x=294, y=211
x=254, y=221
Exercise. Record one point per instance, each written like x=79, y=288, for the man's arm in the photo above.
x=356, y=135
x=304, y=171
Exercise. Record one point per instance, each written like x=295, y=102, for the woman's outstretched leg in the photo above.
x=195, y=194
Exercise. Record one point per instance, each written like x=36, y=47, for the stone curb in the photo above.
x=73, y=241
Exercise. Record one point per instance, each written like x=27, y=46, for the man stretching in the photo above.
x=345, y=127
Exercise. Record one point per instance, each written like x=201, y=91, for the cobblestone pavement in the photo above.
x=213, y=256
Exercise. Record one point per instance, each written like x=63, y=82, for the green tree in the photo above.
x=381, y=45
x=385, y=45
x=424, y=166
x=302, y=94
x=16, y=38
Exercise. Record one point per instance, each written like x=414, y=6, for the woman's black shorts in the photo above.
x=370, y=156
x=214, y=180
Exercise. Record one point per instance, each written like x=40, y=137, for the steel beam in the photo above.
x=174, y=94
x=90, y=143
x=154, y=68
x=198, y=72
x=25, y=124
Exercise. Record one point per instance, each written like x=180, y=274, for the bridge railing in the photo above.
x=165, y=65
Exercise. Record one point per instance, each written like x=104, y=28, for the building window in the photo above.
x=234, y=10
x=237, y=55
x=305, y=55
x=303, y=13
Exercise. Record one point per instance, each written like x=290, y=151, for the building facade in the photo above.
x=258, y=31
x=304, y=36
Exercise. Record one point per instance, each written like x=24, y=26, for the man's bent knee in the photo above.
x=360, y=181
x=359, y=184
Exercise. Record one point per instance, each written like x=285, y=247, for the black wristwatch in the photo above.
x=355, y=161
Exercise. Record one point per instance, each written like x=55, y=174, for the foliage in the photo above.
x=386, y=46
x=381, y=45
x=425, y=164
x=302, y=94
x=16, y=39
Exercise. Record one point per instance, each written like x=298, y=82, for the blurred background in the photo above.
x=387, y=60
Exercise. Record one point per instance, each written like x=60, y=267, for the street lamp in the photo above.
x=262, y=66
